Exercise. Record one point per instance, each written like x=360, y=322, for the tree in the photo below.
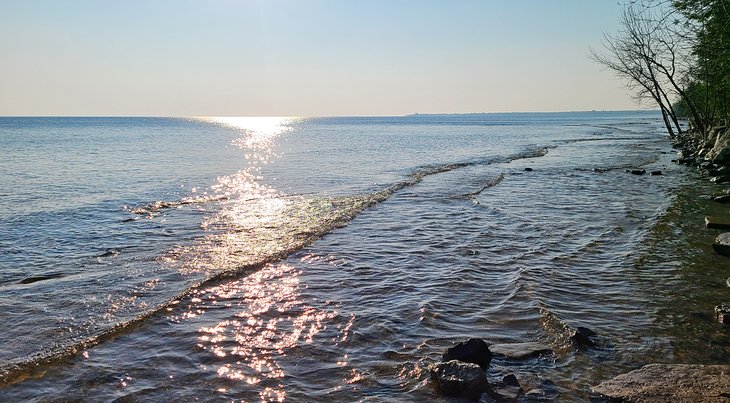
x=710, y=80
x=648, y=56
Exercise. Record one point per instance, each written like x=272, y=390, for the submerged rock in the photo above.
x=722, y=244
x=509, y=390
x=475, y=351
x=528, y=169
x=636, y=171
x=722, y=314
x=520, y=351
x=456, y=378
x=583, y=337
x=669, y=383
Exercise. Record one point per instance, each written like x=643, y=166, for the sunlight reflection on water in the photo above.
x=269, y=318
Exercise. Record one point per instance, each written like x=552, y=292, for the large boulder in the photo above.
x=669, y=383
x=475, y=351
x=456, y=378
x=720, y=152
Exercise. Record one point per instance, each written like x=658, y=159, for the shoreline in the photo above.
x=697, y=382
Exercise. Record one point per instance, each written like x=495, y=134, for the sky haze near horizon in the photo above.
x=304, y=57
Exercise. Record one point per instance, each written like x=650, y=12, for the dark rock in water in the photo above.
x=520, y=351
x=456, y=378
x=600, y=170
x=583, y=337
x=722, y=314
x=547, y=391
x=528, y=169
x=31, y=280
x=475, y=351
x=636, y=171
x=669, y=383
x=510, y=380
x=722, y=199
x=717, y=171
x=720, y=179
x=722, y=244
x=509, y=389
x=656, y=173
x=717, y=222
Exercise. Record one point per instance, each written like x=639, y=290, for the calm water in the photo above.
x=271, y=259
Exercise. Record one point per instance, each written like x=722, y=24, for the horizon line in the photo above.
x=332, y=116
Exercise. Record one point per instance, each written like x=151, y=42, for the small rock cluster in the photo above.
x=463, y=371
x=721, y=247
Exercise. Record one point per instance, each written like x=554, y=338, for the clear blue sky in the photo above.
x=303, y=57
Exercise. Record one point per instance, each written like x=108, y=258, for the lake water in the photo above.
x=334, y=259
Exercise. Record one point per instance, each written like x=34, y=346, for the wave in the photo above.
x=244, y=236
x=156, y=206
x=484, y=186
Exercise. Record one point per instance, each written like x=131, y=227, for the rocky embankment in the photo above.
x=711, y=154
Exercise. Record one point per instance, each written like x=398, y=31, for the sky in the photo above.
x=304, y=57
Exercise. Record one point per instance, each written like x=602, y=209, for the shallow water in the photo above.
x=275, y=259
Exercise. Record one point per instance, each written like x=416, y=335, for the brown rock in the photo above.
x=669, y=383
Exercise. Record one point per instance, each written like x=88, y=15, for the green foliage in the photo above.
x=709, y=83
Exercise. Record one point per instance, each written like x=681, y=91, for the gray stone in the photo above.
x=722, y=313
x=456, y=378
x=722, y=244
x=520, y=351
x=669, y=383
